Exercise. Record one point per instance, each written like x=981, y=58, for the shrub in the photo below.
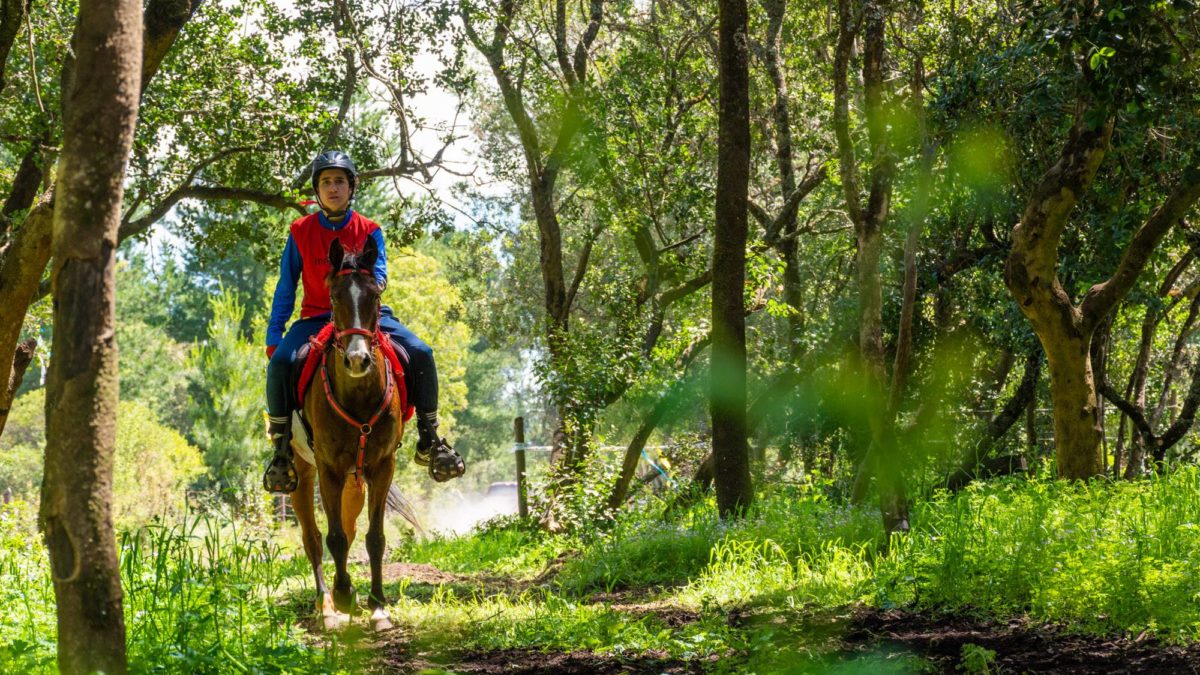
x=153, y=466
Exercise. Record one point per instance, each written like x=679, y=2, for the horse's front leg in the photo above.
x=336, y=539
x=302, y=505
x=380, y=477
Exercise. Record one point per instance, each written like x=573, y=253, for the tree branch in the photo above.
x=162, y=21
x=581, y=267
x=20, y=363
x=665, y=404
x=1031, y=272
x=207, y=193
x=1001, y=423
x=1101, y=298
x=12, y=18
x=787, y=214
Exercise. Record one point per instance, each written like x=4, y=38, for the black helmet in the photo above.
x=334, y=159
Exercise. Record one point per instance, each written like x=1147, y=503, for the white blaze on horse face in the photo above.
x=358, y=352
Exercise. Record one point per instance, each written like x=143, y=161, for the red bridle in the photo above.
x=364, y=428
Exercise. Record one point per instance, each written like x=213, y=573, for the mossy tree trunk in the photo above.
x=100, y=106
x=1065, y=328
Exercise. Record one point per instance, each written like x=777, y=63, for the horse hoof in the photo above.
x=335, y=620
x=346, y=601
x=380, y=621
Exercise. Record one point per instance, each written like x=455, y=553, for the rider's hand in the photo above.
x=271, y=350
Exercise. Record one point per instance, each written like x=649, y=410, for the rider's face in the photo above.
x=334, y=188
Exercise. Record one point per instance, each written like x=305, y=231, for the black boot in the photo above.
x=434, y=452
x=280, y=475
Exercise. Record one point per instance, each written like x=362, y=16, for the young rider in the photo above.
x=305, y=261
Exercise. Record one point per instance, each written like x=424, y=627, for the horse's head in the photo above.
x=355, y=296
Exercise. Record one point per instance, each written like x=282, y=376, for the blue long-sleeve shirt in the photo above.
x=309, y=237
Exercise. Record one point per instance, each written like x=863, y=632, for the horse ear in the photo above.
x=366, y=261
x=336, y=254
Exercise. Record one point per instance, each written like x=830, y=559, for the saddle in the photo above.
x=309, y=356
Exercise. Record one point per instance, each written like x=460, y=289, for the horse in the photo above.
x=356, y=413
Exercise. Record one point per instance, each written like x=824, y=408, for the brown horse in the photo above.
x=357, y=416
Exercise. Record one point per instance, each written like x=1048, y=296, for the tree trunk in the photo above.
x=1064, y=328
x=881, y=459
x=1077, y=443
x=21, y=361
x=728, y=393
x=100, y=108
x=1025, y=395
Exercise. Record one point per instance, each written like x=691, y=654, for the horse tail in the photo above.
x=398, y=503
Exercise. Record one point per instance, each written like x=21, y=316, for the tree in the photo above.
x=598, y=333
x=153, y=464
x=226, y=400
x=728, y=394
x=1066, y=327
x=545, y=159
x=28, y=212
x=100, y=110
x=868, y=221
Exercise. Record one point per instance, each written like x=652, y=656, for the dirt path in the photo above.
x=1021, y=646
x=935, y=643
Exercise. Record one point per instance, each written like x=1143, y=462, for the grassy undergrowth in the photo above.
x=774, y=588
x=1101, y=558
x=206, y=596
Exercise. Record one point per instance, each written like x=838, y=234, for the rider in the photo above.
x=305, y=260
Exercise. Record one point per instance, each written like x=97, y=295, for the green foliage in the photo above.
x=154, y=371
x=507, y=548
x=226, y=400
x=27, y=627
x=153, y=468
x=977, y=660
x=1102, y=557
x=23, y=445
x=199, y=597
x=428, y=303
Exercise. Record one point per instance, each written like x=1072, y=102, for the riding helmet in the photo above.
x=334, y=159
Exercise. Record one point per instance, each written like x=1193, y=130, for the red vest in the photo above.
x=313, y=240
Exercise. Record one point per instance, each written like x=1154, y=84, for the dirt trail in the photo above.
x=1020, y=646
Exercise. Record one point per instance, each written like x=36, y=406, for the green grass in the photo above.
x=504, y=547
x=766, y=594
x=206, y=596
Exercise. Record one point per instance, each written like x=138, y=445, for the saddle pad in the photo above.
x=320, y=342
x=301, y=443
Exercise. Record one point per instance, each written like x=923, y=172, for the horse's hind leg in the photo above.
x=339, y=545
x=302, y=504
x=381, y=480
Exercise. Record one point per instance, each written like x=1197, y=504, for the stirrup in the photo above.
x=280, y=475
x=443, y=461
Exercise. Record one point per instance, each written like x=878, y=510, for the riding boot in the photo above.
x=280, y=475
x=434, y=452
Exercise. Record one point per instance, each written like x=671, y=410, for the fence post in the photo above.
x=519, y=449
